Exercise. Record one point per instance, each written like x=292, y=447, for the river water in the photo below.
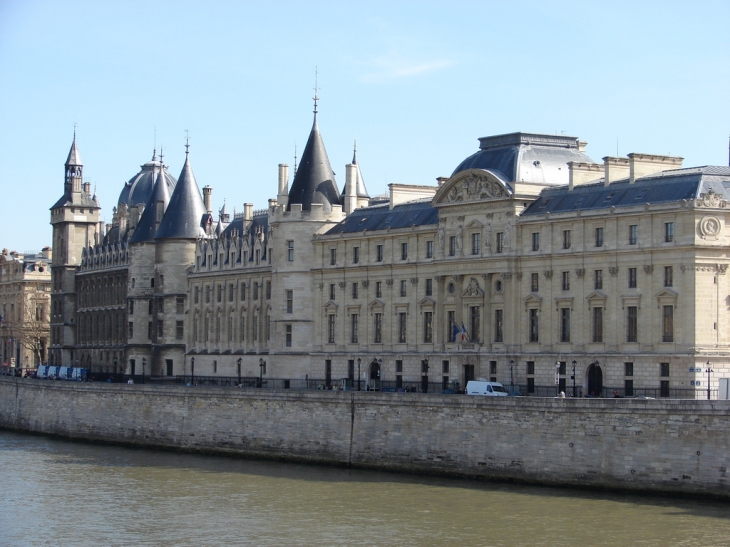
x=60, y=493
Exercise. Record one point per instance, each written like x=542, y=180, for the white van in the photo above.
x=489, y=389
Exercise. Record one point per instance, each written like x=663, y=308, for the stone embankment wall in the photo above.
x=650, y=445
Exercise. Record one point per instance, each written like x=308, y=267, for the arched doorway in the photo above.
x=595, y=380
x=374, y=376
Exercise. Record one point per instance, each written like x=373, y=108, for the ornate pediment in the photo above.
x=473, y=289
x=470, y=186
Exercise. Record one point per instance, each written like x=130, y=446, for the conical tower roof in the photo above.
x=147, y=225
x=186, y=209
x=360, y=190
x=74, y=158
x=314, y=181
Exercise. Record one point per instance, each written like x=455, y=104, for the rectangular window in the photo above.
x=356, y=255
x=628, y=369
x=628, y=388
x=669, y=232
x=404, y=251
x=332, y=291
x=493, y=367
x=664, y=370
x=668, y=276
x=444, y=367
x=476, y=243
x=219, y=293
x=207, y=294
x=289, y=301
x=403, y=287
x=429, y=249
x=598, y=279
x=500, y=242
x=130, y=329
x=498, y=325
x=530, y=368
x=160, y=305
x=150, y=307
x=331, y=329
x=632, y=324
x=354, y=291
x=152, y=282
x=379, y=253
x=451, y=326
x=565, y=325
x=179, y=326
x=180, y=304
x=566, y=239
x=268, y=290
x=378, y=328
x=668, y=324
x=534, y=282
x=196, y=294
x=475, y=323
x=131, y=306
x=242, y=329
x=535, y=241
x=256, y=290
x=230, y=293
x=150, y=330
x=599, y=237
x=402, y=326
x=290, y=251
x=534, y=326
x=633, y=234
x=598, y=324
x=429, y=287
x=354, y=328
x=452, y=246
x=327, y=372
x=333, y=257
x=632, y=278
x=378, y=289
x=428, y=327
x=229, y=330
x=664, y=388
x=399, y=365
x=566, y=281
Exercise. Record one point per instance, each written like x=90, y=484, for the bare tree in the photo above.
x=32, y=327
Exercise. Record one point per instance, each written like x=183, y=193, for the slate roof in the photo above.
x=74, y=158
x=526, y=157
x=147, y=225
x=139, y=188
x=665, y=187
x=257, y=224
x=382, y=217
x=314, y=181
x=185, y=211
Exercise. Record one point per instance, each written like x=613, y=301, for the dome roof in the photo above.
x=139, y=188
x=527, y=157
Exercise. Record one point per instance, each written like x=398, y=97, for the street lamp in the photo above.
x=192, y=370
x=557, y=377
x=573, y=377
x=240, y=360
x=144, y=364
x=709, y=371
x=115, y=366
x=511, y=377
x=358, y=373
x=262, y=364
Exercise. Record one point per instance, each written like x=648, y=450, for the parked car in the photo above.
x=488, y=389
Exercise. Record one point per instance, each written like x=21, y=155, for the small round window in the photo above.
x=451, y=288
x=498, y=286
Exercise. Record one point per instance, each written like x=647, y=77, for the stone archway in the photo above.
x=595, y=380
x=374, y=376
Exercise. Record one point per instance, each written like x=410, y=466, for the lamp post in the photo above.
x=358, y=373
x=240, y=360
x=573, y=378
x=557, y=377
x=192, y=370
x=262, y=364
x=511, y=377
x=709, y=371
x=115, y=366
x=144, y=364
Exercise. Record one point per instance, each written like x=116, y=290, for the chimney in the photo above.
x=283, y=195
x=208, y=199
x=47, y=253
x=614, y=169
x=441, y=180
x=87, y=188
x=642, y=165
x=248, y=212
x=582, y=146
x=582, y=172
x=350, y=188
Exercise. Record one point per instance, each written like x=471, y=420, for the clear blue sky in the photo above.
x=416, y=83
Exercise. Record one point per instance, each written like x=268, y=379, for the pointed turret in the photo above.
x=360, y=189
x=74, y=158
x=153, y=212
x=314, y=181
x=186, y=209
x=74, y=173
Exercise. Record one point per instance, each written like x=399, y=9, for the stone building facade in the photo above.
x=25, y=303
x=531, y=265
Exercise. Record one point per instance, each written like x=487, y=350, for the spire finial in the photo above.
x=316, y=89
x=295, y=158
x=187, y=143
x=154, y=146
x=74, y=130
x=354, y=153
x=161, y=156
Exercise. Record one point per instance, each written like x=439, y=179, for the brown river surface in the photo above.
x=60, y=493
